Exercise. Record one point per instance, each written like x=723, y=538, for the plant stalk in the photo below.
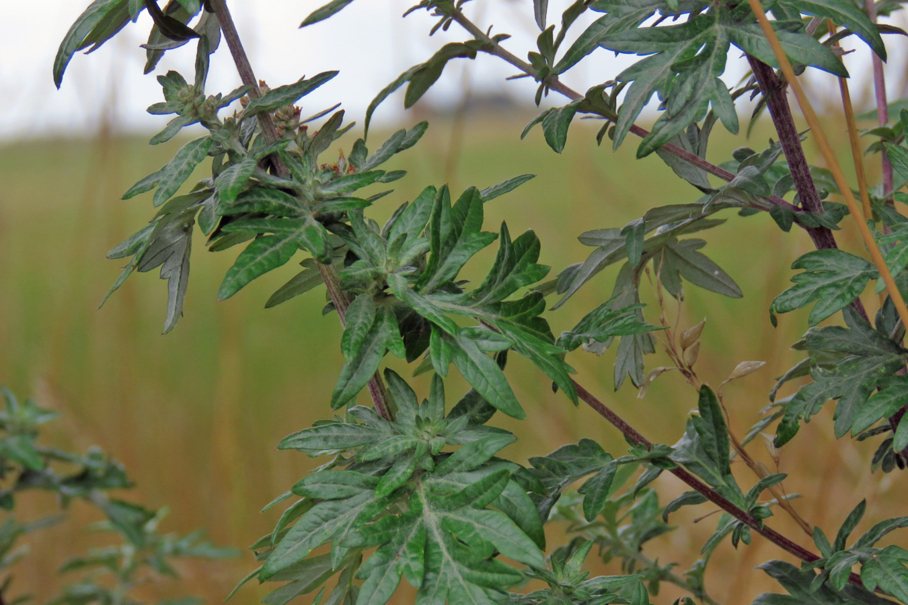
x=687, y=477
x=831, y=161
x=774, y=92
x=882, y=106
x=495, y=49
x=329, y=274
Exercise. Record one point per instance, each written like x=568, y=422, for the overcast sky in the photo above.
x=369, y=43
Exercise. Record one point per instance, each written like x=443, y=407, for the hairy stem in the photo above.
x=687, y=477
x=329, y=274
x=774, y=92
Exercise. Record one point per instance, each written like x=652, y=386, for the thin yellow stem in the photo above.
x=856, y=149
x=831, y=161
x=856, y=154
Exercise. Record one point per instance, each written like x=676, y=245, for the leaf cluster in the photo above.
x=26, y=464
x=438, y=518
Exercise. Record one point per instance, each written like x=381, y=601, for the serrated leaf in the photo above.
x=334, y=436
x=864, y=360
x=313, y=529
x=486, y=377
x=845, y=14
x=358, y=370
x=334, y=484
x=175, y=173
x=232, y=180
x=261, y=256
x=286, y=95
x=596, y=490
x=833, y=278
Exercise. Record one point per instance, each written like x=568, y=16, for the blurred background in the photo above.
x=195, y=415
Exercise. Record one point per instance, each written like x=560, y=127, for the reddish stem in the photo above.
x=328, y=272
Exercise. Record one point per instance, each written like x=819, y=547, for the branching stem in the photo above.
x=553, y=83
x=630, y=433
x=774, y=92
x=329, y=274
x=713, y=496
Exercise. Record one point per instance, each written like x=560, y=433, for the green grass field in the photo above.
x=195, y=415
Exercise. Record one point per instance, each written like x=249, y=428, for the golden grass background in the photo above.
x=195, y=415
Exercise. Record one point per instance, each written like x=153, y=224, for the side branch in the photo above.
x=329, y=274
x=553, y=83
x=774, y=92
x=687, y=477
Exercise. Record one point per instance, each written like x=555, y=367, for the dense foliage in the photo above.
x=110, y=574
x=419, y=490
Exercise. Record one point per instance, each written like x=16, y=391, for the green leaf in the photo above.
x=688, y=498
x=358, y=370
x=316, y=527
x=863, y=359
x=169, y=246
x=556, y=122
x=21, y=449
x=264, y=254
x=851, y=521
x=286, y=95
x=359, y=318
x=175, y=173
x=265, y=201
x=333, y=436
x=333, y=485
x=490, y=193
x=76, y=37
x=540, y=8
x=833, y=278
x=882, y=405
x=456, y=235
x=485, y=376
x=798, y=46
x=305, y=280
x=842, y=13
x=898, y=155
x=712, y=430
x=146, y=184
x=875, y=533
x=320, y=14
x=596, y=490
x=700, y=270
x=474, y=454
x=620, y=16
x=892, y=576
x=422, y=76
x=232, y=180
x=399, y=473
x=604, y=323
x=128, y=518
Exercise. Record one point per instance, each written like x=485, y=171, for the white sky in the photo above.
x=368, y=42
